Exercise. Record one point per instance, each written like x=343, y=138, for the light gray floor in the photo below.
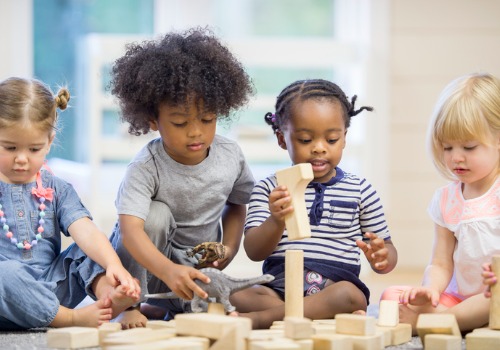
x=36, y=339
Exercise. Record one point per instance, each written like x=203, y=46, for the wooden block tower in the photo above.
x=295, y=179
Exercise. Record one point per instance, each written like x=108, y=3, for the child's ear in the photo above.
x=281, y=139
x=153, y=125
x=52, y=136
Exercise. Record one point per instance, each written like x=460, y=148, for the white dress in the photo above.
x=476, y=226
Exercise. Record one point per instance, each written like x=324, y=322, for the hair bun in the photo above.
x=62, y=99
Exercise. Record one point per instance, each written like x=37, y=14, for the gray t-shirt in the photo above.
x=196, y=194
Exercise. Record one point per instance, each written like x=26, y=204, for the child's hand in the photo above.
x=420, y=296
x=280, y=203
x=376, y=252
x=180, y=279
x=118, y=275
x=489, y=279
x=221, y=264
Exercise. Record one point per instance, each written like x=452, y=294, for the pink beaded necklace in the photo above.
x=41, y=194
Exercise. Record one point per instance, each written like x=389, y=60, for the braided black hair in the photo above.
x=311, y=89
x=179, y=68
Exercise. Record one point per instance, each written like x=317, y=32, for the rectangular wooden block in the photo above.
x=483, y=339
x=388, y=313
x=177, y=343
x=368, y=342
x=210, y=325
x=137, y=336
x=73, y=337
x=294, y=283
x=437, y=324
x=355, y=324
x=273, y=345
x=298, y=328
x=443, y=342
x=296, y=178
x=494, y=322
x=400, y=334
x=332, y=342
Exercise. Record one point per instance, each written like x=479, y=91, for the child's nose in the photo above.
x=457, y=156
x=21, y=157
x=194, y=130
x=319, y=147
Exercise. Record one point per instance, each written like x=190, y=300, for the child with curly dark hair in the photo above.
x=190, y=185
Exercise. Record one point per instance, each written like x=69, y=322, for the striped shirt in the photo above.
x=340, y=211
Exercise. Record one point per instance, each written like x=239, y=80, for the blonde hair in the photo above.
x=30, y=101
x=467, y=109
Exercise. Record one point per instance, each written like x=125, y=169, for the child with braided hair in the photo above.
x=346, y=217
x=40, y=286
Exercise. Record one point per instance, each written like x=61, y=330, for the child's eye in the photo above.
x=10, y=148
x=207, y=121
x=469, y=148
x=332, y=141
x=447, y=148
x=304, y=140
x=34, y=150
x=180, y=125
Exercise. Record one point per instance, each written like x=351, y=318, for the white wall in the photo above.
x=16, y=40
x=432, y=42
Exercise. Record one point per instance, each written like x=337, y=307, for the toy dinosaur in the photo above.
x=221, y=286
x=210, y=252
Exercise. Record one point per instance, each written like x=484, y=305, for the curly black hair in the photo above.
x=179, y=68
x=302, y=90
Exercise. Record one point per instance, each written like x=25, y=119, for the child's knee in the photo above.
x=393, y=292
x=160, y=223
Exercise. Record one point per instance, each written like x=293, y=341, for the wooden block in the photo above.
x=495, y=295
x=368, y=342
x=232, y=339
x=304, y=344
x=298, y=328
x=443, y=342
x=296, y=179
x=107, y=328
x=401, y=334
x=211, y=326
x=483, y=339
x=266, y=334
x=388, y=313
x=73, y=337
x=137, y=336
x=386, y=333
x=355, y=324
x=216, y=308
x=437, y=324
x=160, y=324
x=294, y=283
x=177, y=343
x=324, y=328
x=273, y=345
x=332, y=342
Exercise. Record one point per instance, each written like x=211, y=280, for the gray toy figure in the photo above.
x=221, y=286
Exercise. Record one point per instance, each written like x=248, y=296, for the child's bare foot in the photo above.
x=92, y=315
x=132, y=318
x=121, y=300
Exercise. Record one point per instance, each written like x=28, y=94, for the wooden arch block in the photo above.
x=296, y=178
